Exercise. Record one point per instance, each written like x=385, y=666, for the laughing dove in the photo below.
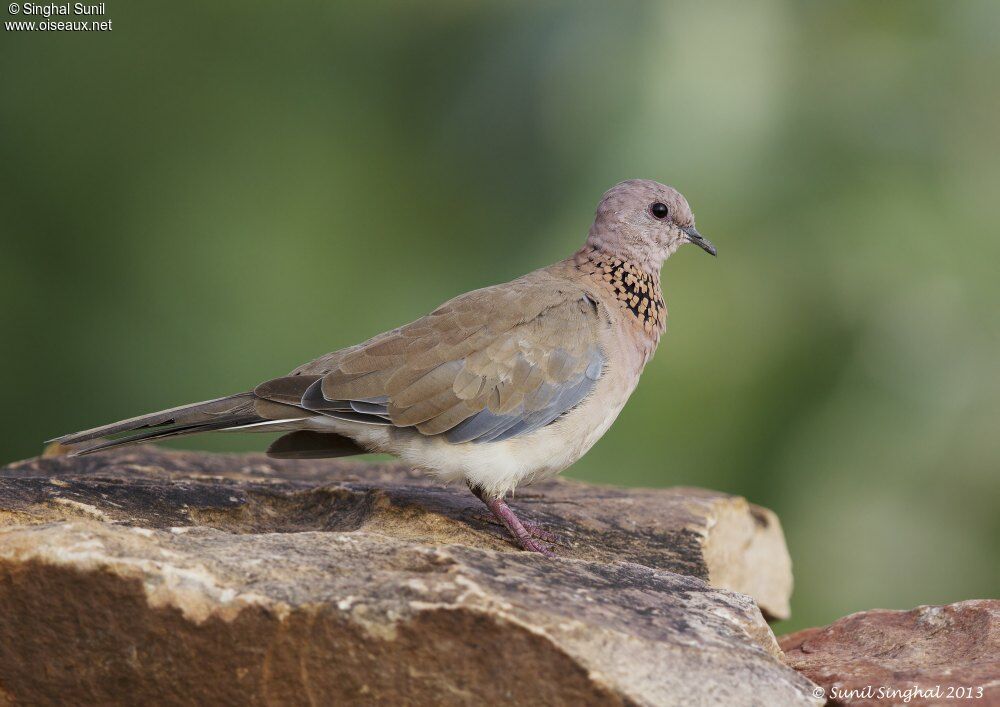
x=500, y=386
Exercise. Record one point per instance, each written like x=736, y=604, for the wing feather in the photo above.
x=487, y=366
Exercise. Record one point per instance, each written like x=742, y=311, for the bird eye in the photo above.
x=659, y=210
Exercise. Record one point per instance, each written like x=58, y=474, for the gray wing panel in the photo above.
x=487, y=426
x=484, y=426
x=353, y=411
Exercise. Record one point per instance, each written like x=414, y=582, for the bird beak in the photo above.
x=699, y=240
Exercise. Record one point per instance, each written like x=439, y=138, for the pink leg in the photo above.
x=537, y=531
x=534, y=529
x=513, y=524
x=506, y=516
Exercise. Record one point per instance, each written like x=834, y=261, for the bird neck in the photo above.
x=636, y=290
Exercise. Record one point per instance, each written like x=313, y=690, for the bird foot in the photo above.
x=537, y=531
x=534, y=529
x=526, y=535
x=531, y=545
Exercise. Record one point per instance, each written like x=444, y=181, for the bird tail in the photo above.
x=232, y=412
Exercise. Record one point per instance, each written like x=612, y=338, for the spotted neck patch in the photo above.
x=636, y=291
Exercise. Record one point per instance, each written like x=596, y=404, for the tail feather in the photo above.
x=222, y=413
x=306, y=444
x=159, y=433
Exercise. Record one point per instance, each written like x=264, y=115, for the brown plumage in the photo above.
x=498, y=386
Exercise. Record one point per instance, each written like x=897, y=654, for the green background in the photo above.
x=212, y=193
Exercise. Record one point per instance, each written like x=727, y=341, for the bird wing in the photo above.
x=486, y=366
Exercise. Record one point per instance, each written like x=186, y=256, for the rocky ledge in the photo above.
x=932, y=655
x=176, y=578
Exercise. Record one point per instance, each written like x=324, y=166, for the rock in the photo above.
x=174, y=578
x=719, y=538
x=928, y=656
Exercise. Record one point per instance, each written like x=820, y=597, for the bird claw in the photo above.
x=531, y=546
x=524, y=533
x=534, y=531
x=541, y=533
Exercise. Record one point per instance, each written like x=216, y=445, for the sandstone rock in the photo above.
x=178, y=578
x=931, y=655
x=719, y=538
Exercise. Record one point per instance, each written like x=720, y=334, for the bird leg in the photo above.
x=537, y=531
x=534, y=529
x=522, y=534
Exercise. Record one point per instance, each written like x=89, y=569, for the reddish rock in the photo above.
x=932, y=655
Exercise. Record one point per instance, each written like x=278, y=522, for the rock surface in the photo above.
x=716, y=537
x=176, y=578
x=931, y=655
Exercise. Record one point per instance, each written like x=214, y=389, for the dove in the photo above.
x=498, y=387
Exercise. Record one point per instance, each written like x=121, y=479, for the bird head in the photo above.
x=645, y=222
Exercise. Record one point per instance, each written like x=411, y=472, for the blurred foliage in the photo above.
x=213, y=193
